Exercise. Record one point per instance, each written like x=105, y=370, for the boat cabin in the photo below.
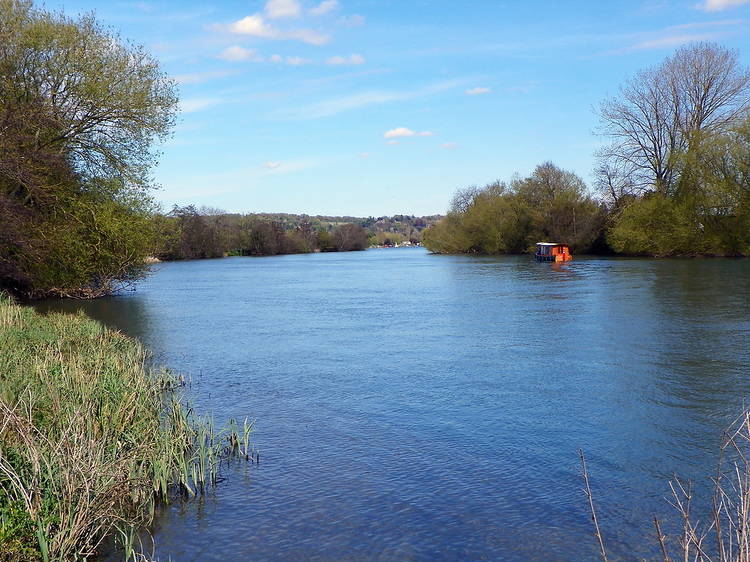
x=552, y=251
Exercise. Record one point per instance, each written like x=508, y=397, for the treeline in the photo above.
x=508, y=218
x=674, y=180
x=192, y=233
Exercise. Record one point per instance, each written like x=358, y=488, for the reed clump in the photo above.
x=90, y=437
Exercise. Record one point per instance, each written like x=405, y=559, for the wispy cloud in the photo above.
x=192, y=105
x=478, y=91
x=676, y=35
x=720, y=5
x=325, y=7
x=673, y=41
x=277, y=9
x=240, y=54
x=338, y=105
x=271, y=165
x=449, y=145
x=350, y=60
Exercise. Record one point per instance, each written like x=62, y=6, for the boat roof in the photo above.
x=550, y=244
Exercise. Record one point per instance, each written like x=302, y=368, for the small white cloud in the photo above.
x=350, y=60
x=240, y=54
x=277, y=9
x=392, y=142
x=398, y=132
x=325, y=7
x=354, y=20
x=405, y=132
x=449, y=145
x=271, y=165
x=720, y=5
x=276, y=58
x=478, y=91
x=256, y=26
x=253, y=25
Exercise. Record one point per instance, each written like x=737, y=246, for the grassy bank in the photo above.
x=90, y=439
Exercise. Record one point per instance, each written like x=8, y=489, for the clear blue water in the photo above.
x=414, y=406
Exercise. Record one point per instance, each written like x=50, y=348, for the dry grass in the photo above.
x=723, y=533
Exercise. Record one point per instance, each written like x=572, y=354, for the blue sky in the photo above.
x=375, y=107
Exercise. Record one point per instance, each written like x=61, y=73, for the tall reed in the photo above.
x=90, y=438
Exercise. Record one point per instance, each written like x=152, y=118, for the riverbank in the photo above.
x=90, y=438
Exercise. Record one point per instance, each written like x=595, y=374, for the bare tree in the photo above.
x=664, y=111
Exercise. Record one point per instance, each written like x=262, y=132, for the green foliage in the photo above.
x=80, y=111
x=90, y=439
x=551, y=204
x=657, y=226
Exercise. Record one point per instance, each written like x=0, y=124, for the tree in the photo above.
x=349, y=237
x=668, y=110
x=80, y=111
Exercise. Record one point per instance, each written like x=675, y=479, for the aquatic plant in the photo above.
x=90, y=437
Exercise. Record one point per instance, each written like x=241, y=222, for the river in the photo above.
x=417, y=406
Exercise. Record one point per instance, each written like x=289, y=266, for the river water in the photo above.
x=415, y=406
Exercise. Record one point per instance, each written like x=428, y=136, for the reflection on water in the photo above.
x=419, y=406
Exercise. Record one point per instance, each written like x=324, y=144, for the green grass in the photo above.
x=90, y=438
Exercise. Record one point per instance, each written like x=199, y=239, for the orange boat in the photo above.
x=552, y=251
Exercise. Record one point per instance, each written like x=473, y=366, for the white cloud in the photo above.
x=720, y=5
x=276, y=9
x=198, y=104
x=479, y=90
x=240, y=54
x=405, y=132
x=256, y=26
x=291, y=61
x=350, y=60
x=449, y=145
x=253, y=25
x=271, y=165
x=364, y=154
x=398, y=132
x=325, y=7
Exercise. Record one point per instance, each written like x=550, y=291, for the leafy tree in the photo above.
x=550, y=204
x=79, y=113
